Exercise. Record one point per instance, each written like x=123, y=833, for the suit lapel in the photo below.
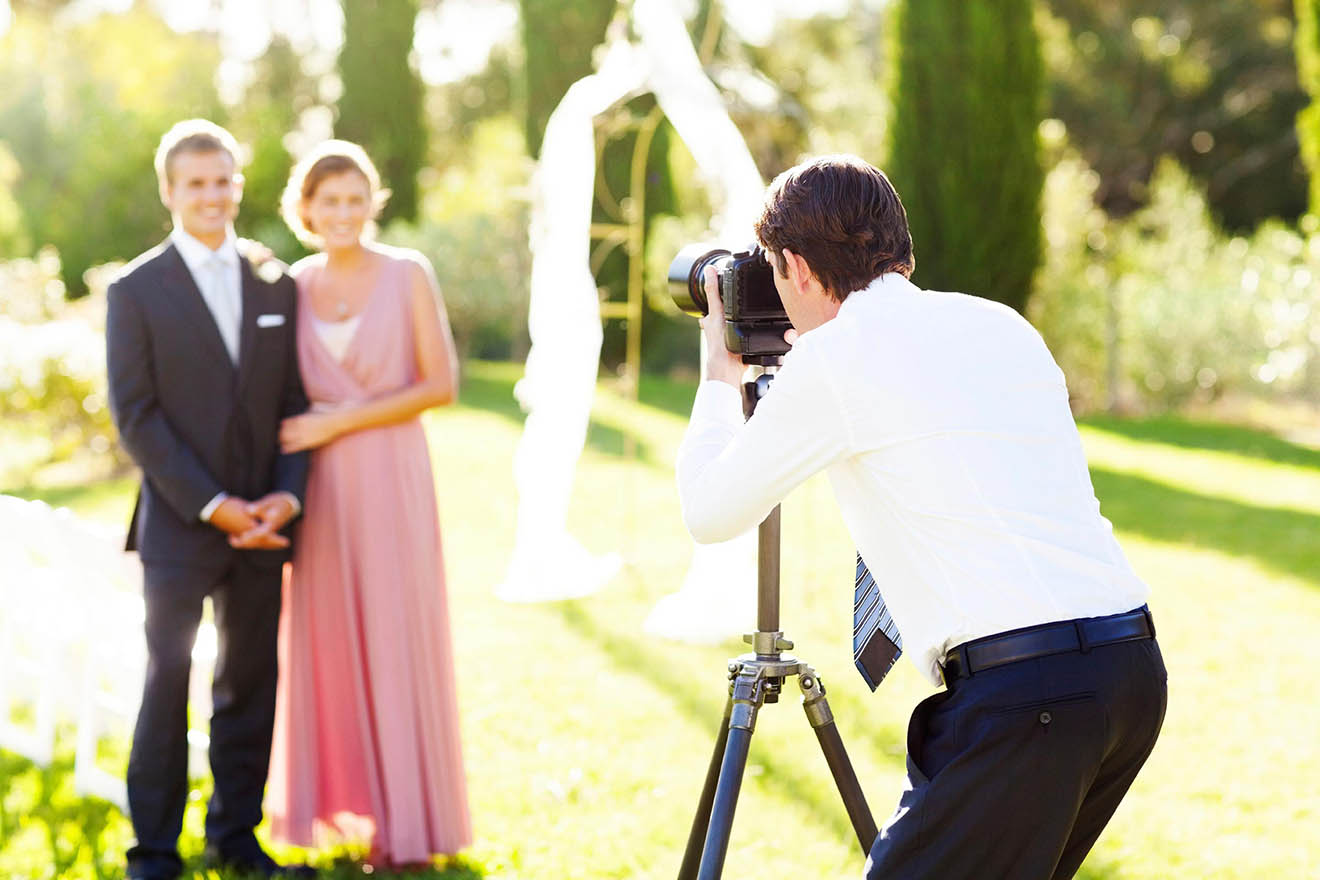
x=187, y=300
x=248, y=330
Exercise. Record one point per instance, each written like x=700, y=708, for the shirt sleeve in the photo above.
x=731, y=474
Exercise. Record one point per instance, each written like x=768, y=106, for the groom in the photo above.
x=202, y=367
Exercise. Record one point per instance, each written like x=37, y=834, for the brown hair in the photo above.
x=192, y=136
x=328, y=159
x=842, y=215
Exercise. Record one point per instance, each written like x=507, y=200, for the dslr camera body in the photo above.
x=754, y=316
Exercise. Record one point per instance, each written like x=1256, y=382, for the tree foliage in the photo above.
x=1308, y=69
x=381, y=107
x=82, y=109
x=558, y=37
x=1214, y=85
x=278, y=93
x=965, y=156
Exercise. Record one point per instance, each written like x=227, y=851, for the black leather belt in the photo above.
x=1045, y=639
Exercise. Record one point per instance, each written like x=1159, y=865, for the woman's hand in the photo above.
x=310, y=430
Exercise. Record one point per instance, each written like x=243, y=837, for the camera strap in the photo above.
x=877, y=643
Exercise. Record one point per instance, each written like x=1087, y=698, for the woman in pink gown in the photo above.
x=367, y=730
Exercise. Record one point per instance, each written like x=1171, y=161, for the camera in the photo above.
x=754, y=316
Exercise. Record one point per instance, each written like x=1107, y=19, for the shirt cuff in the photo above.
x=717, y=402
x=293, y=502
x=209, y=510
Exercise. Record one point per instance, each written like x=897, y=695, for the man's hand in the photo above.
x=268, y=514
x=721, y=364
x=232, y=516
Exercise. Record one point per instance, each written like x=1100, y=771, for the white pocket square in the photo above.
x=270, y=320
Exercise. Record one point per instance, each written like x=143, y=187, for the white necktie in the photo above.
x=224, y=307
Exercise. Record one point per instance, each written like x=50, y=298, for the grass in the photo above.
x=586, y=741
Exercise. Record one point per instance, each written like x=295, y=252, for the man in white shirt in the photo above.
x=202, y=366
x=943, y=424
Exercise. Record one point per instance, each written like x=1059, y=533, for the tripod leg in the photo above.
x=700, y=824
x=744, y=703
x=845, y=778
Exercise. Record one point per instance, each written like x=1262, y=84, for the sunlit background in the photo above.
x=1138, y=177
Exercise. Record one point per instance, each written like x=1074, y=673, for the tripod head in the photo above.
x=756, y=388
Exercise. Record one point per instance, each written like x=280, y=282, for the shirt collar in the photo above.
x=887, y=285
x=195, y=254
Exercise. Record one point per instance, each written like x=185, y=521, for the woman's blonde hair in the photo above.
x=327, y=159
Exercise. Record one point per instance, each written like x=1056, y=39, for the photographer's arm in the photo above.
x=731, y=474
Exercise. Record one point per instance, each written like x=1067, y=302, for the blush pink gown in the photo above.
x=367, y=731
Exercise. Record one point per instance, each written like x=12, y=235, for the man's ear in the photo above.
x=165, y=195
x=798, y=271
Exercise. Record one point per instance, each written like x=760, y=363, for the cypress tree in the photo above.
x=1308, y=72
x=558, y=37
x=964, y=152
x=381, y=107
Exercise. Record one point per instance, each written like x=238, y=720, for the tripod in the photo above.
x=754, y=679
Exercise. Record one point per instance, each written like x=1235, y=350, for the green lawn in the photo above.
x=586, y=741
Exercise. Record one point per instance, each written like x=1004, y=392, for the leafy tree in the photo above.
x=965, y=153
x=275, y=98
x=14, y=241
x=1308, y=68
x=82, y=109
x=381, y=107
x=1213, y=85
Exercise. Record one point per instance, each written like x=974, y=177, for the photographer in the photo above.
x=943, y=422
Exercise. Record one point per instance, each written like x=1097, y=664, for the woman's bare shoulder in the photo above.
x=409, y=256
x=311, y=262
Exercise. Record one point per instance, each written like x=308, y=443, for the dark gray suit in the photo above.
x=197, y=425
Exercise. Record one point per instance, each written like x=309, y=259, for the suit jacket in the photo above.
x=196, y=424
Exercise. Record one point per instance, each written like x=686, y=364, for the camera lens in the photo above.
x=686, y=285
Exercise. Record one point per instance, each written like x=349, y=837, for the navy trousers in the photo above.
x=246, y=602
x=1014, y=772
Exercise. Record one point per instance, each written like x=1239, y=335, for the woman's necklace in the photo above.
x=341, y=298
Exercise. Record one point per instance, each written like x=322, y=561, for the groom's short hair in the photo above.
x=192, y=136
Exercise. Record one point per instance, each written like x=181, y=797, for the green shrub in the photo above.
x=52, y=361
x=1166, y=305
x=473, y=228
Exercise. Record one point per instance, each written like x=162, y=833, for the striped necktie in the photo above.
x=877, y=642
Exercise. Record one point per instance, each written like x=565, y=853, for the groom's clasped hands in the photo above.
x=255, y=525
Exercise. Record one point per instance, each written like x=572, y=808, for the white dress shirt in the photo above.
x=217, y=275
x=943, y=423
x=220, y=281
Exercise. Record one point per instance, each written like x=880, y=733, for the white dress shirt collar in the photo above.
x=888, y=284
x=195, y=254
